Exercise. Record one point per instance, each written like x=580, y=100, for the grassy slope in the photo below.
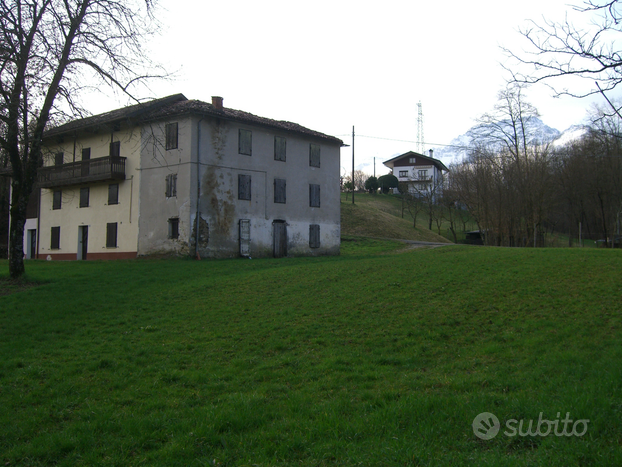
x=370, y=358
x=380, y=216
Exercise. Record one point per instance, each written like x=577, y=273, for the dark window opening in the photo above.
x=58, y=158
x=86, y=154
x=279, y=190
x=280, y=144
x=113, y=193
x=84, y=197
x=171, y=185
x=314, y=155
x=173, y=227
x=58, y=199
x=314, y=196
x=244, y=187
x=115, y=149
x=314, y=236
x=111, y=235
x=245, y=142
x=55, y=242
x=171, y=135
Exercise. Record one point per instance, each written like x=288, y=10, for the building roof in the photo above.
x=130, y=113
x=176, y=105
x=391, y=162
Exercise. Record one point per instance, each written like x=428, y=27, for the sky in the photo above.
x=335, y=65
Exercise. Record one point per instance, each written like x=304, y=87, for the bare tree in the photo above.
x=49, y=49
x=506, y=183
x=561, y=49
x=359, y=180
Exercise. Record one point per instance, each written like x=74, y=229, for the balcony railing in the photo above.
x=92, y=170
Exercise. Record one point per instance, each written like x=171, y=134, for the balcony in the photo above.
x=74, y=173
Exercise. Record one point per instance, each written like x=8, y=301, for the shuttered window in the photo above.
x=171, y=135
x=245, y=142
x=280, y=145
x=115, y=149
x=55, y=239
x=244, y=187
x=113, y=193
x=314, y=155
x=84, y=197
x=314, y=236
x=58, y=199
x=171, y=185
x=279, y=190
x=314, y=196
x=111, y=235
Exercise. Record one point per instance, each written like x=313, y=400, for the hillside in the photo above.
x=381, y=216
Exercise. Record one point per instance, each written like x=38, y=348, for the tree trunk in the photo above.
x=16, y=238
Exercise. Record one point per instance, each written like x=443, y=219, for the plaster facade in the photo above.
x=194, y=172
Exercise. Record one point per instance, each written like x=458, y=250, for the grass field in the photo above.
x=375, y=357
x=381, y=216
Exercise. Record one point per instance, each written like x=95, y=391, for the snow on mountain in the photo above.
x=536, y=128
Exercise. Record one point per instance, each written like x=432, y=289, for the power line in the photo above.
x=408, y=141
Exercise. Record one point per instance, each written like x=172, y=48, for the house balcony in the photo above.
x=416, y=179
x=92, y=170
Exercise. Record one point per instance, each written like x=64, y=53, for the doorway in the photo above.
x=83, y=237
x=279, y=235
x=31, y=244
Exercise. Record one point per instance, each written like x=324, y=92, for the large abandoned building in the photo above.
x=189, y=177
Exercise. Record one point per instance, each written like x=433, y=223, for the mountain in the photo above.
x=539, y=131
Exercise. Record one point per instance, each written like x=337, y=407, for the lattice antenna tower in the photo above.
x=419, y=128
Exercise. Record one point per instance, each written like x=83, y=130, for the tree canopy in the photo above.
x=51, y=52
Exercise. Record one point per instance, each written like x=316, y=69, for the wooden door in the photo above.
x=83, y=237
x=279, y=234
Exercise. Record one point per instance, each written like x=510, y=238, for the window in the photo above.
x=173, y=227
x=86, y=157
x=403, y=173
x=113, y=193
x=171, y=185
x=55, y=242
x=244, y=187
x=314, y=155
x=314, y=236
x=111, y=235
x=245, y=142
x=115, y=149
x=171, y=135
x=57, y=201
x=279, y=190
x=314, y=196
x=84, y=197
x=279, y=148
x=58, y=158
x=423, y=174
x=412, y=160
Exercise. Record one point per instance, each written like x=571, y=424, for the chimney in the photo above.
x=432, y=153
x=217, y=102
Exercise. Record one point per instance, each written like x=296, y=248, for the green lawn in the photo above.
x=375, y=357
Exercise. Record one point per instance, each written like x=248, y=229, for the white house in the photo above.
x=424, y=175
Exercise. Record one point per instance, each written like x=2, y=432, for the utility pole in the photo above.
x=352, y=164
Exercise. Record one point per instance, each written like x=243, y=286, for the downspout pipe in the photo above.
x=198, y=213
